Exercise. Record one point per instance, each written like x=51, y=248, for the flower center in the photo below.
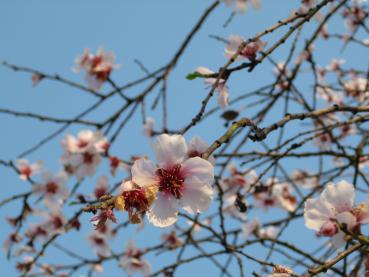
x=88, y=158
x=27, y=171
x=51, y=187
x=171, y=181
x=135, y=200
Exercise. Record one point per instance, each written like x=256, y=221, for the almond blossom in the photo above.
x=52, y=189
x=241, y=5
x=238, y=181
x=135, y=200
x=275, y=194
x=182, y=183
x=250, y=227
x=248, y=52
x=116, y=163
x=133, y=262
x=253, y=227
x=172, y=240
x=102, y=217
x=26, y=170
x=221, y=87
x=357, y=88
x=354, y=16
x=99, y=243
x=197, y=147
x=82, y=154
x=101, y=187
x=305, y=179
x=97, y=66
x=331, y=96
x=335, y=206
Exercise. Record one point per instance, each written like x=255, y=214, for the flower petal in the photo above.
x=143, y=172
x=196, y=197
x=316, y=213
x=347, y=218
x=164, y=210
x=169, y=149
x=197, y=170
x=341, y=196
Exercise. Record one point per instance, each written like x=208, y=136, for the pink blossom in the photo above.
x=135, y=200
x=241, y=5
x=305, y=179
x=335, y=65
x=82, y=154
x=116, y=163
x=221, y=88
x=330, y=95
x=101, y=187
x=182, y=183
x=275, y=194
x=99, y=240
x=197, y=147
x=52, y=189
x=335, y=205
x=12, y=239
x=26, y=170
x=269, y=232
x=354, y=16
x=100, y=220
x=357, y=88
x=250, y=227
x=172, y=240
x=99, y=243
x=133, y=262
x=98, y=67
x=237, y=181
x=249, y=51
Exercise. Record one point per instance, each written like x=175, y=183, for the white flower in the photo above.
x=305, y=179
x=250, y=227
x=133, y=262
x=335, y=205
x=249, y=51
x=26, y=170
x=197, y=147
x=335, y=64
x=99, y=242
x=283, y=193
x=181, y=183
x=52, y=189
x=241, y=5
x=82, y=154
x=330, y=95
x=223, y=95
x=98, y=67
x=238, y=181
x=357, y=88
x=269, y=232
x=101, y=187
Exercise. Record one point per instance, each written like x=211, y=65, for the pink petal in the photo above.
x=169, y=149
x=143, y=172
x=163, y=212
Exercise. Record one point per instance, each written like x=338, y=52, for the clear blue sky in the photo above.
x=48, y=35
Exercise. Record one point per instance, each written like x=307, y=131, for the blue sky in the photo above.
x=48, y=35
